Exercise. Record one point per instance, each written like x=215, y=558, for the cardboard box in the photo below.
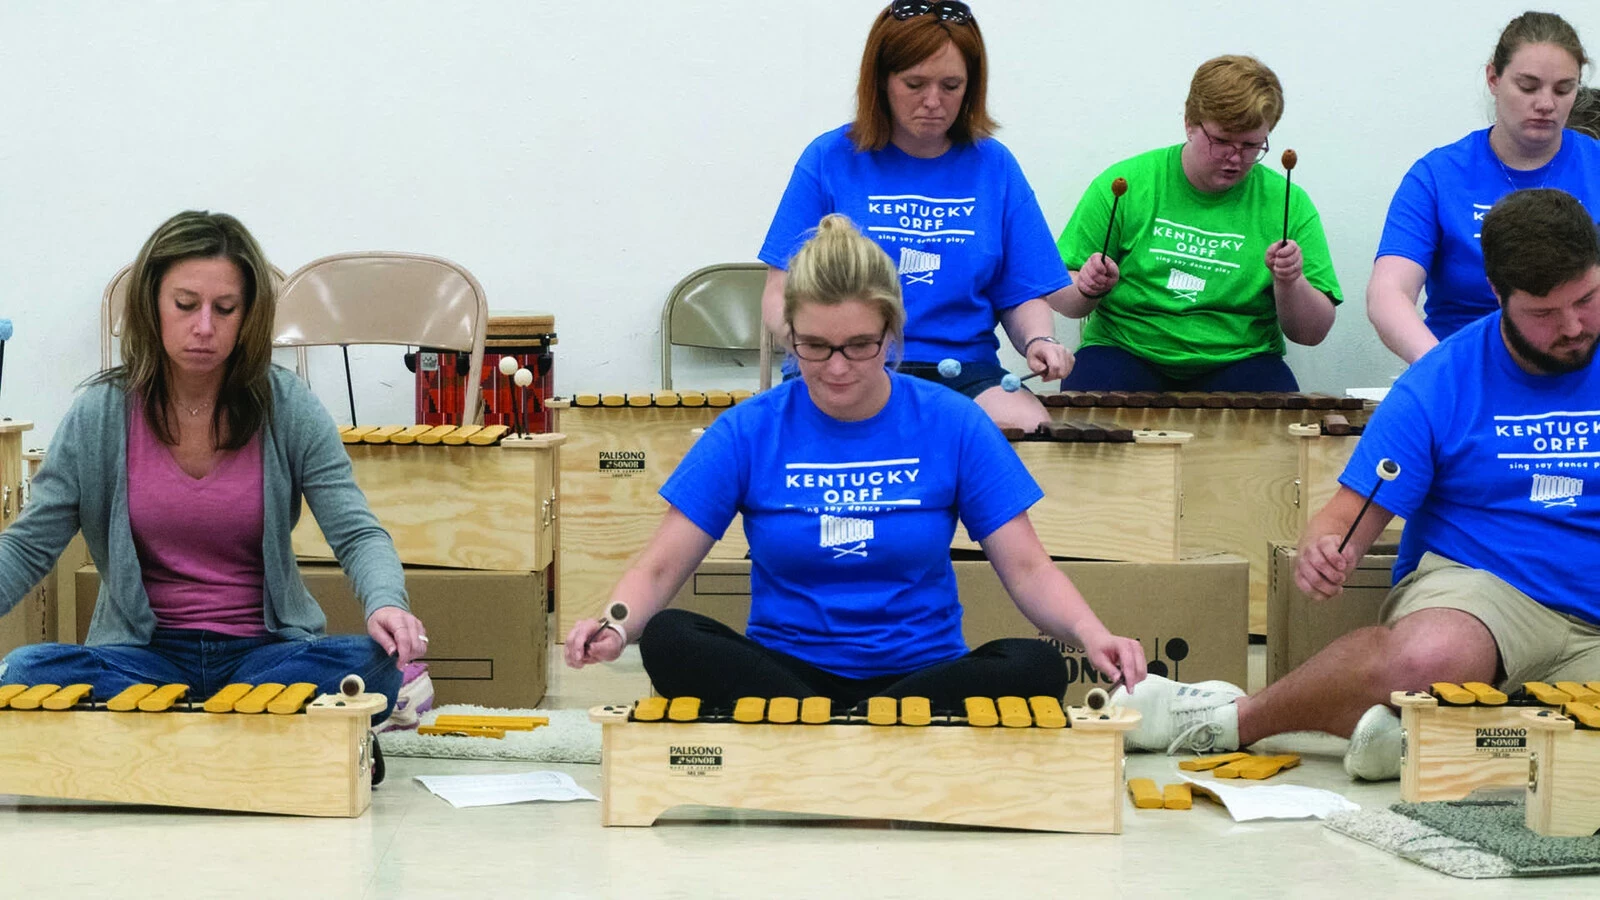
x=1300, y=625
x=1191, y=615
x=488, y=630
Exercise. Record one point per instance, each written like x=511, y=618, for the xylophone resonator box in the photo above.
x=1564, y=770
x=1457, y=739
x=1240, y=469
x=457, y=497
x=1109, y=493
x=620, y=450
x=1009, y=764
x=303, y=759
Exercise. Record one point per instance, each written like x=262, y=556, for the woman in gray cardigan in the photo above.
x=184, y=468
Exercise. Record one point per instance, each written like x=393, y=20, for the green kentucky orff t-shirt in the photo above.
x=1195, y=292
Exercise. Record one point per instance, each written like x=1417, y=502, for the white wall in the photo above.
x=579, y=157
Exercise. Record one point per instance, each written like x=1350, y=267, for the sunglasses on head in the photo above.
x=952, y=11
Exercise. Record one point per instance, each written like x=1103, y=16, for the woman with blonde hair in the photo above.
x=851, y=479
x=1430, y=238
x=1199, y=287
x=919, y=171
x=185, y=467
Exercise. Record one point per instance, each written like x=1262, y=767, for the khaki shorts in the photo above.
x=1536, y=643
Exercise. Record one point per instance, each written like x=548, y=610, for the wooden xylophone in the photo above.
x=1111, y=493
x=620, y=450
x=1120, y=501
x=1564, y=769
x=455, y=496
x=1240, y=489
x=1323, y=454
x=1007, y=763
x=257, y=748
x=1459, y=738
x=424, y=435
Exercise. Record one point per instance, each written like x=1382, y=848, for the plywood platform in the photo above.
x=1048, y=779
x=314, y=763
x=1239, y=474
x=462, y=506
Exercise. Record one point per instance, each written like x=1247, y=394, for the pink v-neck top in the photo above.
x=199, y=539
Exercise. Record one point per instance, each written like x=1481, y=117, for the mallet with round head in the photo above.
x=1289, y=159
x=1388, y=470
x=616, y=613
x=522, y=378
x=1119, y=186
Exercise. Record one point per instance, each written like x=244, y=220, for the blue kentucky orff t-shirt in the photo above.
x=850, y=522
x=1437, y=214
x=964, y=229
x=1498, y=468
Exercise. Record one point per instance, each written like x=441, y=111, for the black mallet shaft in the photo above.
x=1388, y=470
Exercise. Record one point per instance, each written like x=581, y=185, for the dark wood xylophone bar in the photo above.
x=1199, y=400
x=1072, y=432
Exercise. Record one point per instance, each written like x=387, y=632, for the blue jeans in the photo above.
x=1103, y=368
x=207, y=662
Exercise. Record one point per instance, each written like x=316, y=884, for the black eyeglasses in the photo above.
x=1221, y=150
x=953, y=11
x=855, y=351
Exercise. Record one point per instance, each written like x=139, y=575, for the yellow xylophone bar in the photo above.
x=1012, y=712
x=425, y=435
x=1586, y=715
x=1475, y=693
x=274, y=698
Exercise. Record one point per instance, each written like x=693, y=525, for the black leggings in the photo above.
x=690, y=655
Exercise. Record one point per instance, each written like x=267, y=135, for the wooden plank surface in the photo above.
x=611, y=469
x=1034, y=778
x=1451, y=752
x=1103, y=501
x=460, y=506
x=298, y=765
x=1564, y=797
x=1238, y=482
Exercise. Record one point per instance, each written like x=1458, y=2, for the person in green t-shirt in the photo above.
x=1200, y=288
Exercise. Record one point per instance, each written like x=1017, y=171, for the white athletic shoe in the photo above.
x=1176, y=717
x=1374, y=753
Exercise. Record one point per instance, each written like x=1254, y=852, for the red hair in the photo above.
x=895, y=45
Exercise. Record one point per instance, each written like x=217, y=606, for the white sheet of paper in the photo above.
x=496, y=790
x=1275, y=801
x=1375, y=393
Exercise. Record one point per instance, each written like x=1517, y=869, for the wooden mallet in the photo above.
x=1099, y=699
x=508, y=367
x=522, y=378
x=616, y=613
x=1289, y=159
x=1119, y=186
x=1388, y=470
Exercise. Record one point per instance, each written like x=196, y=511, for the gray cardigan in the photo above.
x=83, y=484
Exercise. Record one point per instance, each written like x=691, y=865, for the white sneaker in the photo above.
x=1176, y=717
x=1374, y=753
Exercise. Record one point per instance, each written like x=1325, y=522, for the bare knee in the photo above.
x=1438, y=645
x=1013, y=410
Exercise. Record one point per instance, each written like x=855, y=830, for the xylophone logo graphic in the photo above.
x=621, y=463
x=1501, y=742
x=697, y=761
x=1556, y=490
x=1186, y=286
x=918, y=265
x=839, y=532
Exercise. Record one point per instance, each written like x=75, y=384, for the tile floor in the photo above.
x=412, y=844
